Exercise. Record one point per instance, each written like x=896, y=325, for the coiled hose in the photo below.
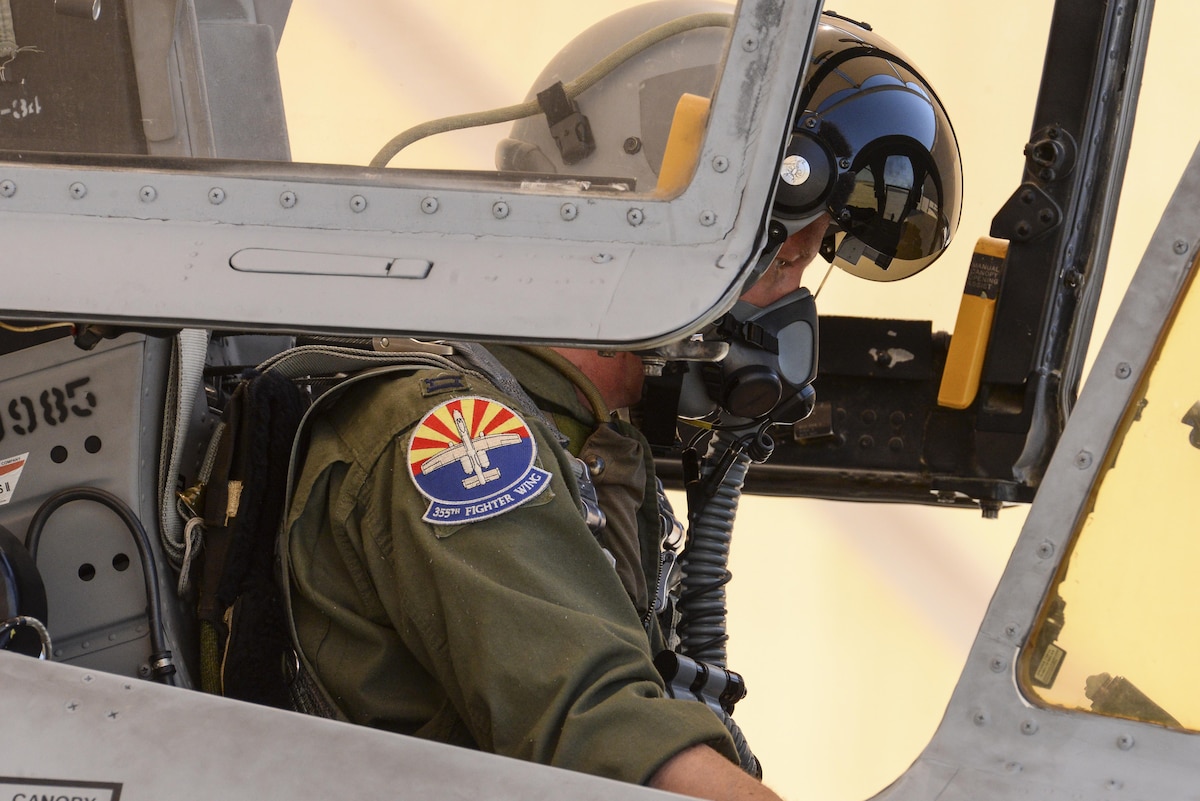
x=702, y=604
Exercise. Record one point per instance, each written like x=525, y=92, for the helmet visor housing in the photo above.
x=896, y=197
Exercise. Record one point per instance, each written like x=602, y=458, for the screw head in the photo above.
x=568, y=211
x=979, y=717
x=148, y=194
x=1083, y=460
x=1045, y=550
x=430, y=205
x=500, y=209
x=8, y=188
x=635, y=217
x=720, y=163
x=1125, y=742
x=708, y=218
x=1123, y=370
x=78, y=190
x=1180, y=247
x=358, y=204
x=216, y=196
x=1029, y=727
x=288, y=199
x=632, y=145
x=750, y=44
x=998, y=665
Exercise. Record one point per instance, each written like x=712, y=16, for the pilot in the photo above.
x=475, y=555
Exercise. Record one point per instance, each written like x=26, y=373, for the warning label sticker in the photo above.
x=53, y=790
x=10, y=474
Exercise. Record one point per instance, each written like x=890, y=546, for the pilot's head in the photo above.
x=871, y=156
x=869, y=175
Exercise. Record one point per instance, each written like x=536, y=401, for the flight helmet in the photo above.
x=870, y=144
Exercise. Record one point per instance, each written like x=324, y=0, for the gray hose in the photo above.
x=702, y=628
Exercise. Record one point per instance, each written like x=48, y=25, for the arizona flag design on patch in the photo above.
x=473, y=458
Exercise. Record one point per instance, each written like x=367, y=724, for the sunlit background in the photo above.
x=850, y=622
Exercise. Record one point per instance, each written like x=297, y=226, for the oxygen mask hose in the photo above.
x=702, y=607
x=702, y=626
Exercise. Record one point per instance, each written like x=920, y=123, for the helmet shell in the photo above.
x=871, y=143
x=897, y=195
x=630, y=109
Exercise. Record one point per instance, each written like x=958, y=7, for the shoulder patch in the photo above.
x=474, y=458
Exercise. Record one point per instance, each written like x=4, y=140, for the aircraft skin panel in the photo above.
x=154, y=246
x=93, y=730
x=999, y=743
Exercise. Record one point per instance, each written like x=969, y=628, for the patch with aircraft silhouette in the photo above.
x=474, y=458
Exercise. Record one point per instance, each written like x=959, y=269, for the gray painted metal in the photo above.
x=153, y=247
x=91, y=419
x=993, y=743
x=68, y=724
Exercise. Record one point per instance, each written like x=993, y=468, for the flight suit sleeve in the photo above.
x=523, y=622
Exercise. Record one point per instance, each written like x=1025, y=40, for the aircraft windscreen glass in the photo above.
x=1118, y=635
x=473, y=85
x=386, y=83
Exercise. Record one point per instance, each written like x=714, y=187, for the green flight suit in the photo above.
x=511, y=634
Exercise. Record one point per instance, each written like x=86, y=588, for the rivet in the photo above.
x=1123, y=370
x=1180, y=247
x=288, y=199
x=499, y=209
x=148, y=194
x=358, y=203
x=1125, y=742
x=216, y=196
x=1083, y=460
x=1029, y=727
x=78, y=190
x=720, y=163
x=708, y=218
x=568, y=211
x=8, y=188
x=429, y=205
x=635, y=217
